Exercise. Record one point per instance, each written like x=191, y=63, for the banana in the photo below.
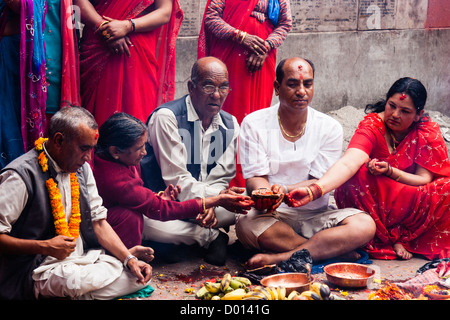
x=201, y=293
x=237, y=294
x=244, y=280
x=273, y=292
x=281, y=293
x=263, y=291
x=208, y=296
x=236, y=284
x=225, y=283
x=292, y=295
x=310, y=295
x=255, y=295
x=325, y=292
x=227, y=290
x=212, y=287
x=321, y=289
x=216, y=297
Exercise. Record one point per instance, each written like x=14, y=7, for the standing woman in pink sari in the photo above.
x=127, y=55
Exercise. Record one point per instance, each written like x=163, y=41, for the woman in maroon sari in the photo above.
x=397, y=169
x=127, y=55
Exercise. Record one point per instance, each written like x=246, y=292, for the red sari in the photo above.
x=249, y=91
x=137, y=84
x=418, y=217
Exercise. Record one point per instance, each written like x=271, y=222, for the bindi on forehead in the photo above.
x=403, y=96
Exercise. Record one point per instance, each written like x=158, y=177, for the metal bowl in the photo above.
x=291, y=281
x=352, y=275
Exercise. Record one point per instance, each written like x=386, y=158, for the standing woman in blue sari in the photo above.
x=11, y=145
x=38, y=70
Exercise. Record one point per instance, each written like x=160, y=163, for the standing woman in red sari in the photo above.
x=397, y=169
x=127, y=55
x=245, y=35
x=241, y=34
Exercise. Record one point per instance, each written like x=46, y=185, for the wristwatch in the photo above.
x=125, y=262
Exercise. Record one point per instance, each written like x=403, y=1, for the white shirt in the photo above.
x=13, y=198
x=264, y=151
x=172, y=155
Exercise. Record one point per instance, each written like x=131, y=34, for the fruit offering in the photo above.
x=241, y=288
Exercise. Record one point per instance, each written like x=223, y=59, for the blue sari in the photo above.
x=11, y=145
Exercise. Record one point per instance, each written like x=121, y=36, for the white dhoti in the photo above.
x=91, y=276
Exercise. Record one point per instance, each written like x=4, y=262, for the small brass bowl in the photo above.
x=351, y=275
x=291, y=281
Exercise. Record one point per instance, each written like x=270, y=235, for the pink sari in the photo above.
x=137, y=84
x=33, y=68
x=32, y=73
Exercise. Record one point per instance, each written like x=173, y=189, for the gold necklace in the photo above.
x=395, y=143
x=288, y=135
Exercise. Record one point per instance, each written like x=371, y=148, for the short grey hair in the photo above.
x=68, y=119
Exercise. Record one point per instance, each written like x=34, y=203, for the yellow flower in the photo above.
x=72, y=228
x=43, y=161
x=39, y=142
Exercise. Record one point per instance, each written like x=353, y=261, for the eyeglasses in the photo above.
x=210, y=89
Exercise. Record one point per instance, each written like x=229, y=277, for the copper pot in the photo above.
x=352, y=275
x=291, y=281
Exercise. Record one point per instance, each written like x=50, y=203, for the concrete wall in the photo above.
x=359, y=47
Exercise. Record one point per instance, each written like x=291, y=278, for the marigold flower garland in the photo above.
x=71, y=229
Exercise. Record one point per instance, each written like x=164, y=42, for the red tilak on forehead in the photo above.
x=96, y=135
x=300, y=69
x=403, y=96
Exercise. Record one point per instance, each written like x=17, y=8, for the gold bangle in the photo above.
x=160, y=193
x=311, y=197
x=204, y=204
x=398, y=178
x=101, y=24
x=243, y=37
x=235, y=34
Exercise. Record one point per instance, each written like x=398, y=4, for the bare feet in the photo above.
x=264, y=259
x=143, y=253
x=400, y=251
x=350, y=257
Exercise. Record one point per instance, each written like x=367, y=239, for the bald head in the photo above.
x=208, y=87
x=207, y=65
x=305, y=63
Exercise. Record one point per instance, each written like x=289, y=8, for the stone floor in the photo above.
x=180, y=281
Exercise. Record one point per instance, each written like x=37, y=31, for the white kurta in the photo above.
x=82, y=275
x=264, y=150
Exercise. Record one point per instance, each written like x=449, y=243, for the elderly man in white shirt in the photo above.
x=193, y=144
x=39, y=256
x=286, y=146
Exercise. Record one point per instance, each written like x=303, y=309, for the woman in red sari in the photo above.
x=241, y=34
x=127, y=55
x=397, y=169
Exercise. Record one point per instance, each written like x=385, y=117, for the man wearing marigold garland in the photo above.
x=53, y=229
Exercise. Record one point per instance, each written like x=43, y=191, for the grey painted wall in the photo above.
x=359, y=47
